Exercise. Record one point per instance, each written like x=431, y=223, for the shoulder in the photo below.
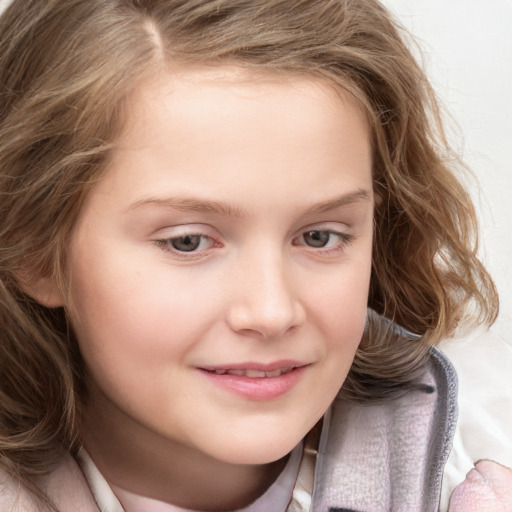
x=13, y=497
x=483, y=362
x=65, y=485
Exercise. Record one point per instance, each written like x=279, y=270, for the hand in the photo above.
x=487, y=488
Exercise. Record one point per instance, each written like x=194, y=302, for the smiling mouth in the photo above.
x=257, y=381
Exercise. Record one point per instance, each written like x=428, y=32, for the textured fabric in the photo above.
x=390, y=456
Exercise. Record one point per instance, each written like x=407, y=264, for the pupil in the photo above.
x=317, y=238
x=186, y=243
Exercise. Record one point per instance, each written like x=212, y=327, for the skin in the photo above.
x=250, y=163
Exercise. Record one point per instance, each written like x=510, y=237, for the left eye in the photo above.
x=321, y=238
x=317, y=238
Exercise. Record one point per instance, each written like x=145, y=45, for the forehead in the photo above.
x=206, y=93
x=226, y=128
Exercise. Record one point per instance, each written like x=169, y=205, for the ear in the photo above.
x=42, y=289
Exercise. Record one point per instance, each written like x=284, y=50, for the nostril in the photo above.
x=265, y=302
x=249, y=322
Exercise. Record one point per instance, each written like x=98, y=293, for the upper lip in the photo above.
x=262, y=367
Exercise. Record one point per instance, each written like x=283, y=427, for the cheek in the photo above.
x=130, y=318
x=134, y=339
x=339, y=308
x=340, y=301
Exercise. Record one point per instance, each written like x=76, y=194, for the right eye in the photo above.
x=189, y=243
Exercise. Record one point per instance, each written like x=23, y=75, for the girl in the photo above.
x=221, y=222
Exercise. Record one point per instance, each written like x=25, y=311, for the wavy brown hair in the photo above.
x=66, y=68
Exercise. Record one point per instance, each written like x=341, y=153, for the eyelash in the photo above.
x=343, y=241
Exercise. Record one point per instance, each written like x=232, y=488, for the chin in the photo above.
x=261, y=450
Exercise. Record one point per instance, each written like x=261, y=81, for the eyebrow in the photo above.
x=191, y=204
x=339, y=202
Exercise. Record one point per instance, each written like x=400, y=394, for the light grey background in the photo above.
x=467, y=52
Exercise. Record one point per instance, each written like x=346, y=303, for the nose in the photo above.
x=265, y=301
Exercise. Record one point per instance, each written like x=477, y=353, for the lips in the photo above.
x=255, y=381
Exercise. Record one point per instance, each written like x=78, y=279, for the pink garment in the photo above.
x=487, y=488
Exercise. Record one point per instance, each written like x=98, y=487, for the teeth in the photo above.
x=275, y=373
x=238, y=373
x=253, y=374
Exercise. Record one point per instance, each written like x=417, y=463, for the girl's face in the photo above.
x=220, y=268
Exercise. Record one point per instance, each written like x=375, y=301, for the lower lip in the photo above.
x=260, y=389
